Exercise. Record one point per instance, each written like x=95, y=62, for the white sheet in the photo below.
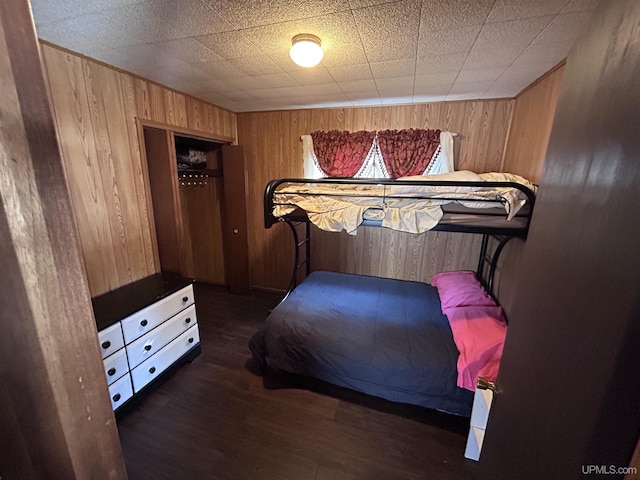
x=337, y=207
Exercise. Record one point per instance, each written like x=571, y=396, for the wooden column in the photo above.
x=55, y=415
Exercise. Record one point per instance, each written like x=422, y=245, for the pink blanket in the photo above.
x=478, y=325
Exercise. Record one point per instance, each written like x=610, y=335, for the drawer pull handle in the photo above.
x=152, y=370
x=147, y=347
x=106, y=344
x=144, y=323
x=187, y=320
x=116, y=397
x=191, y=340
x=185, y=299
x=111, y=372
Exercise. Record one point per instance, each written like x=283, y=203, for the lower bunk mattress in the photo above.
x=383, y=337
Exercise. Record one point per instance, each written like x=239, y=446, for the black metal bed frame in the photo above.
x=503, y=234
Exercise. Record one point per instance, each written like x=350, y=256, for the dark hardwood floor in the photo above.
x=216, y=419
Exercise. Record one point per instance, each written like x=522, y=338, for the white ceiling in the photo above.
x=235, y=53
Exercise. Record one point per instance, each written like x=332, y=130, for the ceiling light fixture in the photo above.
x=306, y=50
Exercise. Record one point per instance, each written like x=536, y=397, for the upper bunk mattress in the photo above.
x=383, y=337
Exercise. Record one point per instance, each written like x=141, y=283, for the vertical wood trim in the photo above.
x=166, y=200
x=58, y=404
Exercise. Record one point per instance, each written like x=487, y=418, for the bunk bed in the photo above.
x=389, y=338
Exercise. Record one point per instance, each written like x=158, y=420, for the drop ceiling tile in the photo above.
x=421, y=89
x=479, y=75
x=564, y=28
x=87, y=32
x=438, y=15
x=440, y=63
x=187, y=18
x=184, y=74
x=252, y=13
x=350, y=87
x=497, y=57
x=399, y=83
x=472, y=88
x=517, y=33
x=286, y=92
x=242, y=83
x=344, y=54
x=189, y=51
x=350, y=73
x=504, y=10
x=148, y=53
x=441, y=42
x=378, y=24
x=435, y=79
x=312, y=76
x=275, y=80
x=236, y=44
x=223, y=69
x=396, y=68
x=324, y=89
x=391, y=95
x=49, y=11
x=552, y=53
x=260, y=65
x=526, y=73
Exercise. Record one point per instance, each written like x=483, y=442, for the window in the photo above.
x=372, y=164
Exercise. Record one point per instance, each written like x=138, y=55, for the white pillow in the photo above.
x=507, y=177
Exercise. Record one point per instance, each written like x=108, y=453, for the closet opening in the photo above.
x=197, y=187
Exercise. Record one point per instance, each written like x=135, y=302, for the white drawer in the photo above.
x=110, y=340
x=148, y=318
x=147, y=345
x=148, y=370
x=116, y=365
x=120, y=391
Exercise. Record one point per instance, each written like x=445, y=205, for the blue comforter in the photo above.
x=383, y=337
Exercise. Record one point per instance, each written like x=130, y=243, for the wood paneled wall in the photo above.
x=271, y=141
x=533, y=116
x=95, y=109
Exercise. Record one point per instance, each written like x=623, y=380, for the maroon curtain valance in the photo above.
x=341, y=153
x=407, y=152
x=404, y=152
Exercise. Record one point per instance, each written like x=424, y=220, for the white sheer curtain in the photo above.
x=444, y=161
x=373, y=166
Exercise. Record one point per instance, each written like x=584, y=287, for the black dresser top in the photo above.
x=117, y=304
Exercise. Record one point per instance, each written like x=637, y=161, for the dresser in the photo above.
x=146, y=329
